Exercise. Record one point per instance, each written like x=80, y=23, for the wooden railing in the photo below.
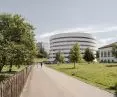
x=13, y=86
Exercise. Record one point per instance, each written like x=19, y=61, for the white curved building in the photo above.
x=65, y=41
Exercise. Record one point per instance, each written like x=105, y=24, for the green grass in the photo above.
x=14, y=68
x=101, y=75
x=40, y=59
x=5, y=71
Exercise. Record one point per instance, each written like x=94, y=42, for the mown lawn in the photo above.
x=14, y=68
x=40, y=59
x=5, y=71
x=101, y=75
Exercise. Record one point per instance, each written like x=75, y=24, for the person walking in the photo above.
x=41, y=64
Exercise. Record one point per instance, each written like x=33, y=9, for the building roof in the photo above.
x=107, y=46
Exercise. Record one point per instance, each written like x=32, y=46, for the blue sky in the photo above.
x=98, y=17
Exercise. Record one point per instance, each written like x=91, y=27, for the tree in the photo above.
x=59, y=57
x=75, y=55
x=88, y=55
x=17, y=42
x=62, y=58
x=114, y=50
x=97, y=54
x=41, y=53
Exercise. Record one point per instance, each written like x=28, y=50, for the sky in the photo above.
x=49, y=17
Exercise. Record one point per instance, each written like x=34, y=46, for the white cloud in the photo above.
x=92, y=29
x=48, y=34
x=106, y=41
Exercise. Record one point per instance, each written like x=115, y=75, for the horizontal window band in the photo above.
x=72, y=41
x=72, y=37
x=71, y=45
x=67, y=49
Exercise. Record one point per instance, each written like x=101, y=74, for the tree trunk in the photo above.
x=3, y=62
x=1, y=66
x=10, y=68
x=74, y=65
x=18, y=66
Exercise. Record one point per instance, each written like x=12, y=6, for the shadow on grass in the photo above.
x=3, y=77
x=67, y=68
x=115, y=95
x=6, y=74
x=114, y=88
x=12, y=72
x=111, y=65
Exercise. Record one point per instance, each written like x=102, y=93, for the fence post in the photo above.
x=12, y=86
x=1, y=90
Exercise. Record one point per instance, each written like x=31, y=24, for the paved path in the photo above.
x=45, y=82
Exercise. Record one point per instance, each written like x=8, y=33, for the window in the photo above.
x=101, y=54
x=105, y=55
x=108, y=53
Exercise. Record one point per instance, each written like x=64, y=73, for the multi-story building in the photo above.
x=105, y=53
x=65, y=41
x=44, y=45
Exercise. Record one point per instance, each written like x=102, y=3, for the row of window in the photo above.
x=82, y=49
x=65, y=57
x=65, y=53
x=106, y=54
x=107, y=61
x=72, y=41
x=72, y=37
x=70, y=45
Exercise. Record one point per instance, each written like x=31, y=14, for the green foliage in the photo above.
x=62, y=58
x=88, y=55
x=59, y=57
x=97, y=54
x=37, y=60
x=97, y=74
x=75, y=55
x=41, y=53
x=114, y=50
x=17, y=43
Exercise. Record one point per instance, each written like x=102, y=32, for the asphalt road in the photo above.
x=46, y=82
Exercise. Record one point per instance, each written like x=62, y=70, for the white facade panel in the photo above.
x=105, y=55
x=65, y=41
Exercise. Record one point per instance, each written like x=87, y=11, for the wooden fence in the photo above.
x=12, y=87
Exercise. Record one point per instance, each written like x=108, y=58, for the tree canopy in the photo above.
x=75, y=55
x=17, y=42
x=97, y=54
x=41, y=53
x=88, y=55
x=114, y=50
x=59, y=57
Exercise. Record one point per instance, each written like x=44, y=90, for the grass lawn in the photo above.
x=14, y=68
x=5, y=71
x=40, y=59
x=101, y=75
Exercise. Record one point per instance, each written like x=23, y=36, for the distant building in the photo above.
x=40, y=45
x=105, y=53
x=65, y=41
x=43, y=45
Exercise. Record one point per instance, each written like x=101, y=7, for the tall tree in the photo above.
x=88, y=55
x=62, y=58
x=75, y=55
x=97, y=54
x=41, y=53
x=17, y=42
x=59, y=57
x=114, y=50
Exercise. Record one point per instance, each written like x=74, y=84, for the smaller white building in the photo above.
x=105, y=53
